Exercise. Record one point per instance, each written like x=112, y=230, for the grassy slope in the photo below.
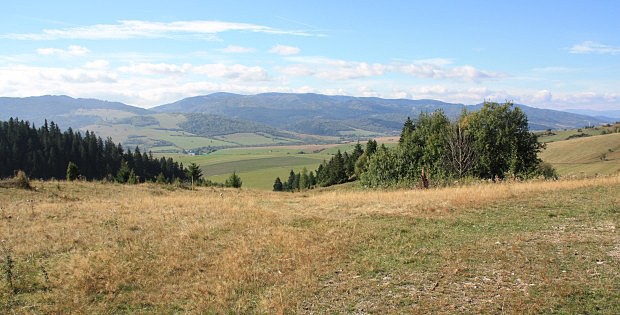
x=559, y=135
x=585, y=156
x=492, y=248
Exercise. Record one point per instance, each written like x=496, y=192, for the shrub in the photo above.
x=547, y=171
x=20, y=180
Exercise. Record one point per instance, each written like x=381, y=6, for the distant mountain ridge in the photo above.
x=333, y=115
x=610, y=116
x=303, y=113
x=63, y=110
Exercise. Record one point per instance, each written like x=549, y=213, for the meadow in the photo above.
x=258, y=167
x=585, y=156
x=512, y=247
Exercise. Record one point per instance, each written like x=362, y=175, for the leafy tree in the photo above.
x=233, y=181
x=384, y=168
x=277, y=185
x=72, y=171
x=503, y=141
x=460, y=155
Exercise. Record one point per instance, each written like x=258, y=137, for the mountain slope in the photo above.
x=316, y=113
x=65, y=110
x=339, y=115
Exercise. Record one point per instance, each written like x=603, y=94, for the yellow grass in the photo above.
x=585, y=156
x=108, y=248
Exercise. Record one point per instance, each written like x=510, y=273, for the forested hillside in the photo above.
x=46, y=153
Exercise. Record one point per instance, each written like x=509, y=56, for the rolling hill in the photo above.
x=64, y=110
x=585, y=156
x=227, y=120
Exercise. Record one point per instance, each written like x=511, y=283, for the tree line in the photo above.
x=47, y=153
x=492, y=143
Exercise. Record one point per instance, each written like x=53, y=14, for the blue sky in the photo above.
x=548, y=54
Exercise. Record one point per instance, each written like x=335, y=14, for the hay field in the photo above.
x=485, y=248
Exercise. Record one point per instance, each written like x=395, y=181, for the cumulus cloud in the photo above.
x=234, y=49
x=73, y=50
x=333, y=69
x=97, y=64
x=591, y=47
x=155, y=68
x=232, y=72
x=237, y=72
x=284, y=50
x=148, y=29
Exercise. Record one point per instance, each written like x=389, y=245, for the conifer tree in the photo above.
x=277, y=185
x=72, y=171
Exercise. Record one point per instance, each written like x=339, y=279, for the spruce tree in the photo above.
x=72, y=171
x=277, y=185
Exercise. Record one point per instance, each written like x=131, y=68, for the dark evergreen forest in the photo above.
x=45, y=153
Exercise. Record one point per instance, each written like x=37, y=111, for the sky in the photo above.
x=547, y=54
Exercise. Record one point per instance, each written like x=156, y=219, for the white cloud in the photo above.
x=333, y=69
x=233, y=72
x=543, y=96
x=148, y=29
x=424, y=69
x=234, y=49
x=155, y=69
x=591, y=47
x=73, y=50
x=236, y=72
x=284, y=50
x=97, y=64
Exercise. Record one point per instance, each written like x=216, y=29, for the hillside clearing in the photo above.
x=587, y=156
x=512, y=247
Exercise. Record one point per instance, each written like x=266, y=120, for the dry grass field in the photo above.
x=532, y=247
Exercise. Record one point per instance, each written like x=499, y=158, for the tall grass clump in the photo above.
x=20, y=180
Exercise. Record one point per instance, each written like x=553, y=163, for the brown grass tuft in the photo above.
x=20, y=180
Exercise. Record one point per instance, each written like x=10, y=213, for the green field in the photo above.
x=559, y=135
x=253, y=139
x=258, y=167
x=585, y=156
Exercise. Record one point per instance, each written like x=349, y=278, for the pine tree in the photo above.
x=72, y=171
x=132, y=179
x=304, y=182
x=123, y=172
x=233, y=181
x=194, y=173
x=291, y=181
x=277, y=185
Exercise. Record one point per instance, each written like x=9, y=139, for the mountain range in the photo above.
x=287, y=116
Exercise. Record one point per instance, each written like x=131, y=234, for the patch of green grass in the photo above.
x=511, y=256
x=263, y=178
x=559, y=135
x=250, y=139
x=585, y=156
